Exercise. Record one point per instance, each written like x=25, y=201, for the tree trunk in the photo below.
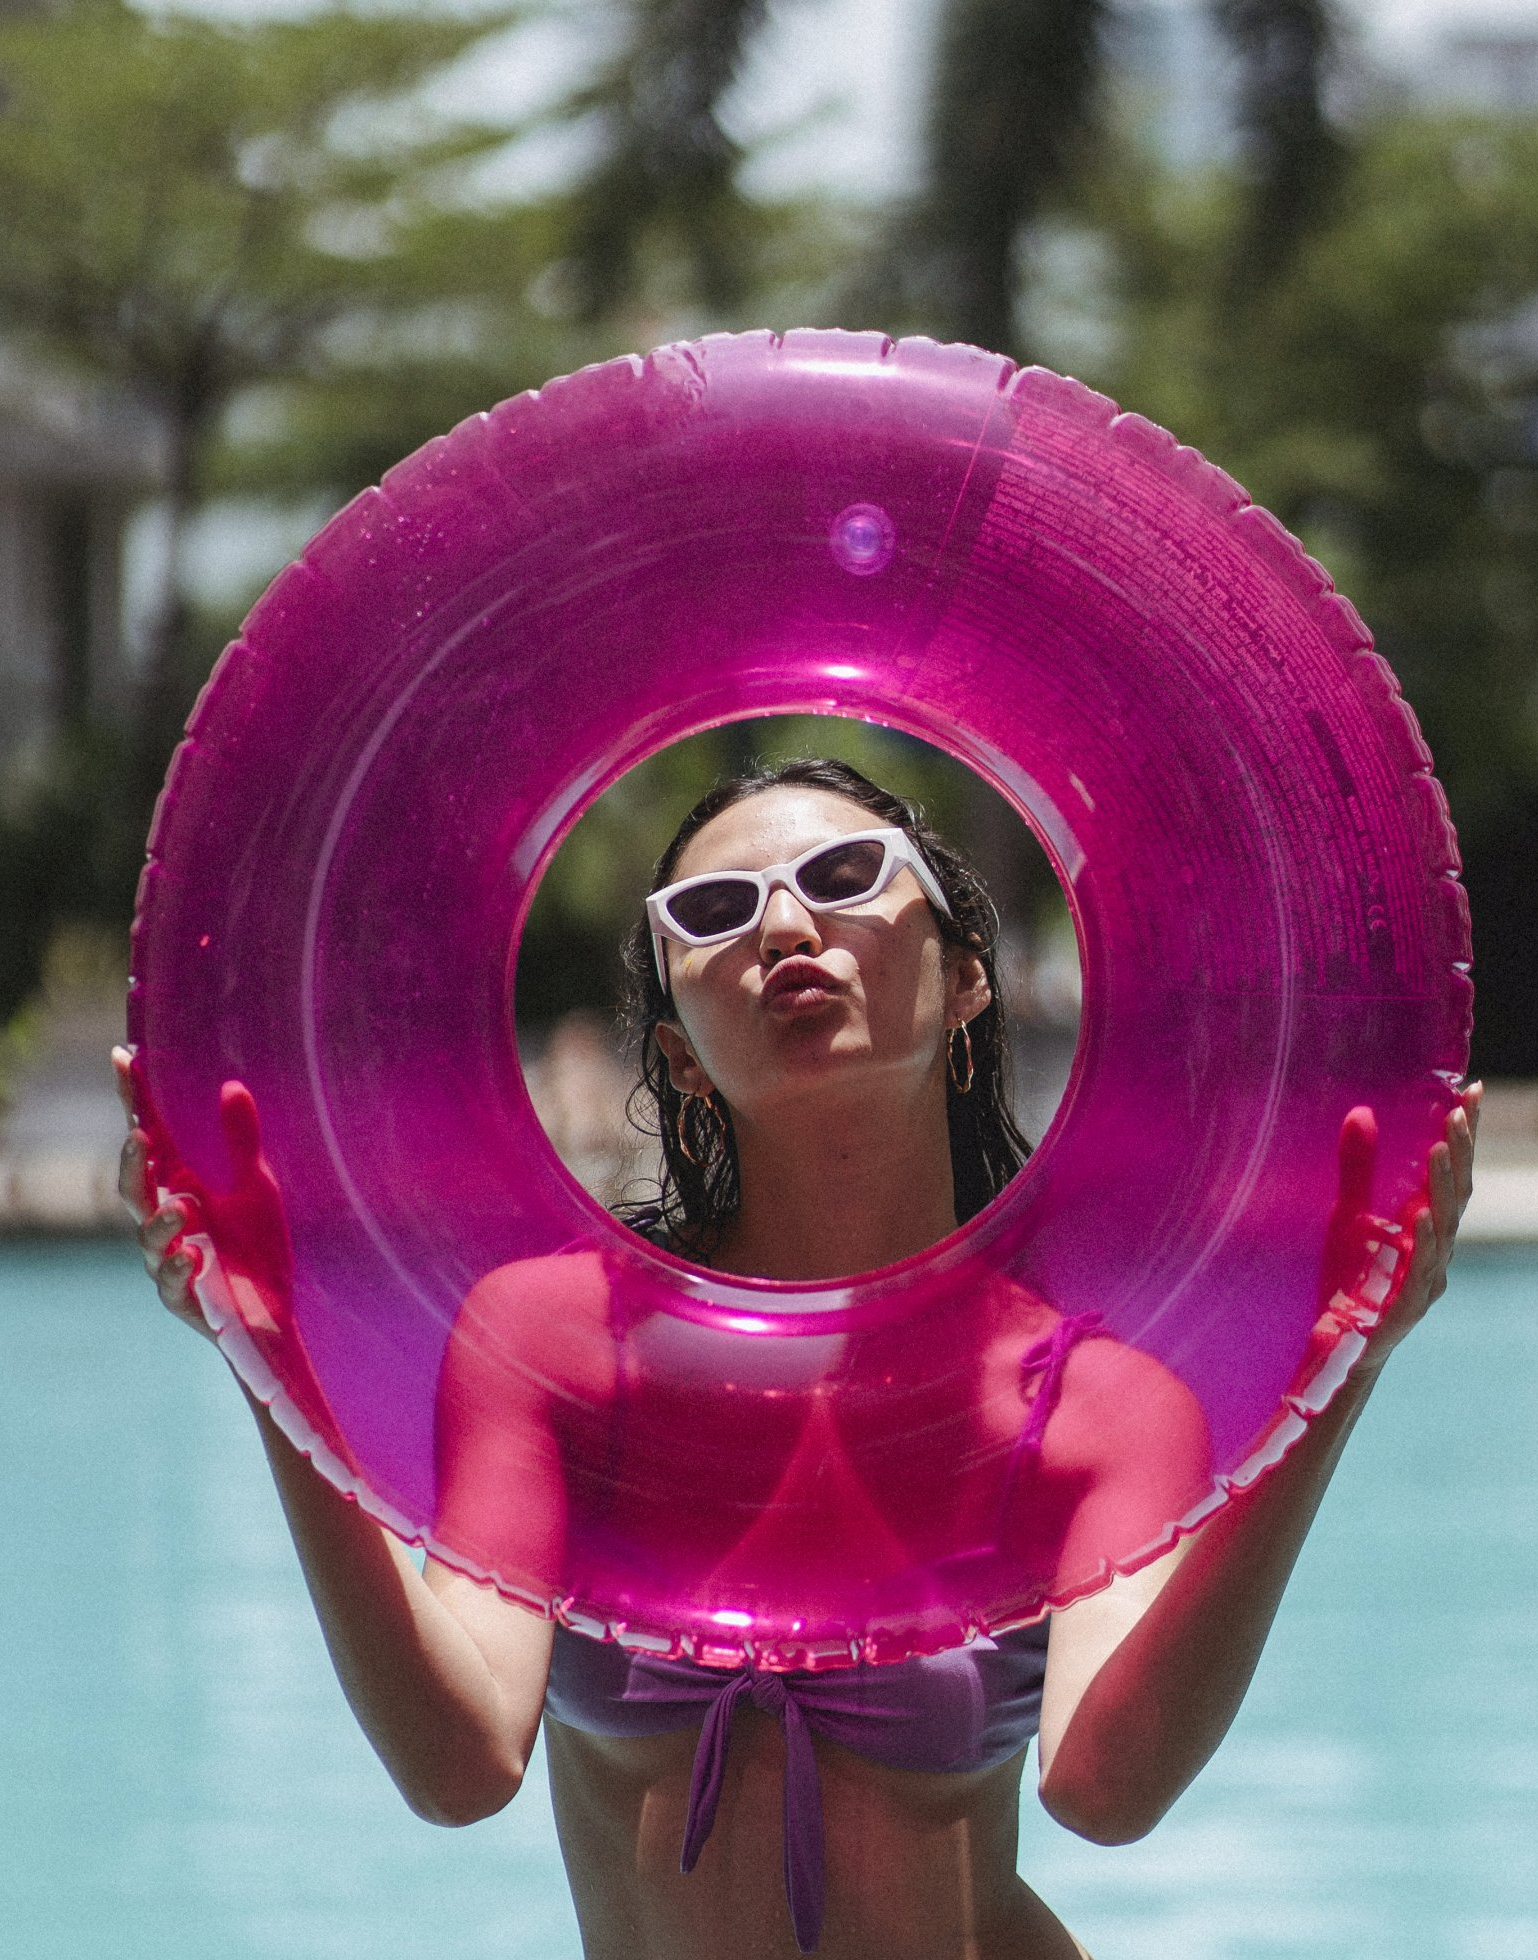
x=169, y=682
x=1011, y=113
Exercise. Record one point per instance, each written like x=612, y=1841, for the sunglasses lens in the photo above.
x=842, y=874
x=719, y=905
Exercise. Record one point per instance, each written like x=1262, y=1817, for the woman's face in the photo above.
x=809, y=997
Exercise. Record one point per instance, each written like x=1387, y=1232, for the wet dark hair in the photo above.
x=697, y=1197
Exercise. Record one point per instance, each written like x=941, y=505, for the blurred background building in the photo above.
x=77, y=458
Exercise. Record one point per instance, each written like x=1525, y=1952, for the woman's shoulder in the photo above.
x=575, y=1277
x=545, y=1318
x=1120, y=1406
x=1108, y=1400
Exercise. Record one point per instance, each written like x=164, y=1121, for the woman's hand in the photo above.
x=245, y=1223
x=1433, y=1229
x=1449, y=1186
x=162, y=1230
x=247, y=1228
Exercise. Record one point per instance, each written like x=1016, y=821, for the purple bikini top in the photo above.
x=969, y=1709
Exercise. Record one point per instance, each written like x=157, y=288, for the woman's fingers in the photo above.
x=171, y=1262
x=1357, y=1154
x=158, y=1241
x=133, y=1163
x=133, y=1176
x=1427, y=1278
x=1461, y=1134
x=1449, y=1185
x=1433, y=1229
x=157, y=1235
x=173, y=1282
x=122, y=1066
x=1442, y=1191
x=242, y=1129
x=1450, y=1170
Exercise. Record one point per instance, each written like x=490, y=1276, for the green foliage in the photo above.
x=1383, y=400
x=193, y=207
x=1356, y=404
x=64, y=857
x=189, y=202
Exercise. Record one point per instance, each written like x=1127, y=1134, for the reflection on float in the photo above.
x=815, y=1488
x=784, y=1486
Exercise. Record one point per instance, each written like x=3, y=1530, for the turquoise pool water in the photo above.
x=180, y=1780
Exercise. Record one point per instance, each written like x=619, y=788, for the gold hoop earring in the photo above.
x=682, y=1125
x=962, y=1077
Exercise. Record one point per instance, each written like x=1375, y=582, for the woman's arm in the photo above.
x=1144, y=1678
x=446, y=1678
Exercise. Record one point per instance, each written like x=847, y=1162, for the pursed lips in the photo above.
x=799, y=975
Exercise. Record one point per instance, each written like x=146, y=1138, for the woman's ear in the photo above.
x=967, y=991
x=684, y=1071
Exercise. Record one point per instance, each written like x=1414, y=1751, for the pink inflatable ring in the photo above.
x=1261, y=872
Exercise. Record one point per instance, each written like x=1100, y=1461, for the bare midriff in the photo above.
x=920, y=1866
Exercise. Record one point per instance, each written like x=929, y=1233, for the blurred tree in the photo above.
x=193, y=206
x=1015, y=129
x=666, y=161
x=1011, y=118
x=1294, y=159
x=1384, y=402
x=201, y=210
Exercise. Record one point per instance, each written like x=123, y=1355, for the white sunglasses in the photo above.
x=721, y=905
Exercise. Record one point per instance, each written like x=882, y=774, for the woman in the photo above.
x=802, y=1043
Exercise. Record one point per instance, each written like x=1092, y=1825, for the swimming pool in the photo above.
x=180, y=1779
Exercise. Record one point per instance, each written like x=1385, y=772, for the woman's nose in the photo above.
x=787, y=927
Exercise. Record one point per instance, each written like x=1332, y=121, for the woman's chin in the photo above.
x=818, y=1072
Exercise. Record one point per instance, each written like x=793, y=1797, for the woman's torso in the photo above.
x=919, y=1799
x=919, y=1867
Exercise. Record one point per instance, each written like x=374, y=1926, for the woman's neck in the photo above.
x=840, y=1188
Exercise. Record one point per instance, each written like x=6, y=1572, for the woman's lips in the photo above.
x=799, y=983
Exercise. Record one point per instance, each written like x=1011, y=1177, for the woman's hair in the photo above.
x=699, y=1194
